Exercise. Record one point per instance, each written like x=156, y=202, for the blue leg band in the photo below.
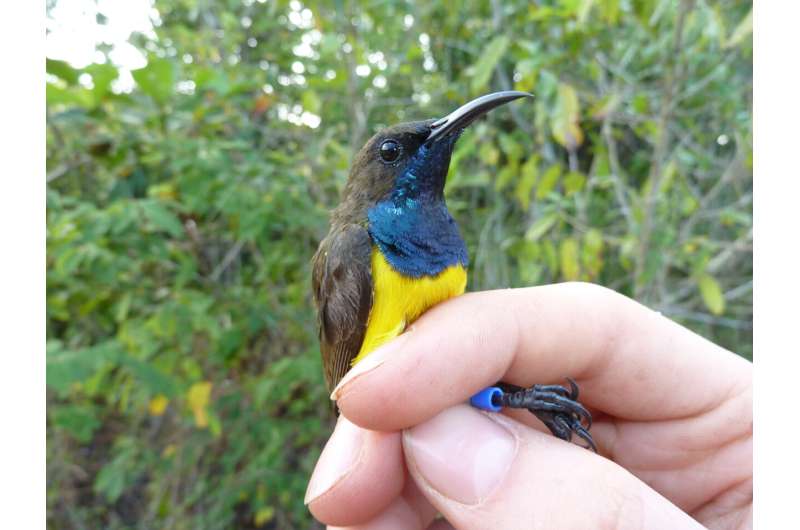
x=484, y=399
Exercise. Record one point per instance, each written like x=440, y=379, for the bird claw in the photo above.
x=556, y=407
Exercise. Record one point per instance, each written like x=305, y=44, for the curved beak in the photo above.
x=460, y=118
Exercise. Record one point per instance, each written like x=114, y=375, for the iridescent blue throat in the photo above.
x=413, y=228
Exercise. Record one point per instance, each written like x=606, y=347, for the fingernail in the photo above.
x=367, y=364
x=461, y=453
x=338, y=459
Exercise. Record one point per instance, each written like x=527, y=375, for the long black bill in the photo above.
x=469, y=112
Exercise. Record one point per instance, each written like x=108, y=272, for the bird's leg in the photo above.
x=557, y=407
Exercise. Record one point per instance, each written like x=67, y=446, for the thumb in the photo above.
x=484, y=470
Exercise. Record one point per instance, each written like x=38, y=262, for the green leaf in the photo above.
x=742, y=31
x=311, y=102
x=512, y=149
x=482, y=70
x=610, y=10
x=541, y=226
x=122, y=307
x=605, y=106
x=711, y=292
x=157, y=79
x=67, y=367
x=115, y=476
x=263, y=516
x=156, y=381
x=508, y=173
x=102, y=77
x=584, y=9
x=568, y=254
x=565, y=120
x=529, y=174
x=110, y=483
x=574, y=182
x=197, y=398
x=163, y=219
x=548, y=181
x=79, y=421
x=489, y=154
x=73, y=95
x=63, y=70
x=592, y=256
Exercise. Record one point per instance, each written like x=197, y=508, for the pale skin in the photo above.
x=673, y=422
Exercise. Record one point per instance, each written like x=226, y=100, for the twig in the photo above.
x=231, y=255
x=717, y=262
x=736, y=292
x=502, y=76
x=738, y=245
x=727, y=176
x=354, y=96
x=616, y=173
x=659, y=156
x=708, y=319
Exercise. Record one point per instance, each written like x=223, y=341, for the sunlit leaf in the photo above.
x=157, y=79
x=507, y=174
x=198, y=397
x=102, y=77
x=513, y=150
x=540, y=227
x=569, y=259
x=62, y=70
x=711, y=293
x=488, y=59
x=584, y=8
x=742, y=31
x=610, y=10
x=489, y=154
x=565, y=120
x=606, y=106
x=263, y=516
x=529, y=172
x=548, y=181
x=311, y=101
x=73, y=95
x=158, y=405
x=574, y=182
x=592, y=255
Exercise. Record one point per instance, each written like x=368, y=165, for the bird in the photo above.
x=393, y=251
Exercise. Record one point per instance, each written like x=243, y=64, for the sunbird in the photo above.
x=393, y=251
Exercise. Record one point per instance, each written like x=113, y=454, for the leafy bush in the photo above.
x=184, y=383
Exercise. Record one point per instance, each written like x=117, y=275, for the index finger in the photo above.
x=630, y=361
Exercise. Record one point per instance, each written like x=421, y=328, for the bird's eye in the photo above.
x=390, y=151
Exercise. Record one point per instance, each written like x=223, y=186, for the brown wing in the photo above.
x=342, y=282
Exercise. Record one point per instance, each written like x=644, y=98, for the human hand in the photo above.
x=672, y=417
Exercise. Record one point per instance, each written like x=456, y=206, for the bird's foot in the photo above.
x=556, y=406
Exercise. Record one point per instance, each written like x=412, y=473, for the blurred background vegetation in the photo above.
x=185, y=199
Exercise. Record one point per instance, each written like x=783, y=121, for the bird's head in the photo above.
x=409, y=161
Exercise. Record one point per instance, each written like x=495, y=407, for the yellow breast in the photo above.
x=399, y=300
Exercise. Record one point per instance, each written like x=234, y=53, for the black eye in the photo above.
x=390, y=151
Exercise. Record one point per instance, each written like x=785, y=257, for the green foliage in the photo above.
x=184, y=383
x=482, y=70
